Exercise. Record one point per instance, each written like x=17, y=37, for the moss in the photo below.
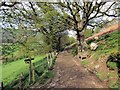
x=85, y=62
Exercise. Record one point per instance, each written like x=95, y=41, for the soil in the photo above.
x=70, y=74
x=99, y=66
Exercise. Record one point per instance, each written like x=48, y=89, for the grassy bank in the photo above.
x=12, y=70
x=107, y=44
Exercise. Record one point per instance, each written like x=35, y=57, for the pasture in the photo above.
x=12, y=70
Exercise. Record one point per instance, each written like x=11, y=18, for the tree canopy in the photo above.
x=25, y=21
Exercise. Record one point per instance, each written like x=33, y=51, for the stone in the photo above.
x=97, y=66
x=93, y=46
x=96, y=38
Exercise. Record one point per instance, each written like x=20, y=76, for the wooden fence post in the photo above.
x=48, y=60
x=2, y=87
x=21, y=80
x=53, y=54
x=51, y=60
x=29, y=62
x=30, y=72
x=33, y=72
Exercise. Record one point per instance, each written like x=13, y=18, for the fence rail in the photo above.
x=36, y=69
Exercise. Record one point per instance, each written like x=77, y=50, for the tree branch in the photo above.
x=98, y=9
x=72, y=13
x=33, y=9
x=8, y=5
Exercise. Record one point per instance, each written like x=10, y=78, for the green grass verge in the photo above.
x=85, y=62
x=112, y=65
x=11, y=71
x=107, y=45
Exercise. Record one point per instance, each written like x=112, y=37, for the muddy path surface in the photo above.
x=70, y=74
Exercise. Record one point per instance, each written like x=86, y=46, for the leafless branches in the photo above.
x=9, y=5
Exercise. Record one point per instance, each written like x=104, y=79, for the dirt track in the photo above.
x=70, y=74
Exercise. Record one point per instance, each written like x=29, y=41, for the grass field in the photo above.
x=12, y=70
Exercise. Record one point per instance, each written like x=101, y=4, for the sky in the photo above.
x=72, y=33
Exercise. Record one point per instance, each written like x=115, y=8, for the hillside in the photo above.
x=106, y=30
x=97, y=62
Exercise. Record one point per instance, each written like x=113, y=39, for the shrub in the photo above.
x=112, y=65
x=75, y=51
x=89, y=41
x=114, y=57
x=106, y=36
x=114, y=60
x=114, y=85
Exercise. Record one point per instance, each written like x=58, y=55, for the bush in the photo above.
x=115, y=85
x=75, y=51
x=112, y=65
x=90, y=41
x=113, y=60
x=106, y=36
x=88, y=33
x=114, y=57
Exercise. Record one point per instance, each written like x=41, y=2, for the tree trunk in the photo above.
x=59, y=44
x=79, y=38
x=2, y=87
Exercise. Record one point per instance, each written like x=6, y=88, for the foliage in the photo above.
x=97, y=30
x=85, y=62
x=53, y=25
x=114, y=57
x=52, y=19
x=114, y=85
x=8, y=49
x=75, y=51
x=109, y=43
x=112, y=65
x=71, y=40
x=88, y=33
x=42, y=37
x=90, y=41
x=113, y=61
x=66, y=41
x=27, y=44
